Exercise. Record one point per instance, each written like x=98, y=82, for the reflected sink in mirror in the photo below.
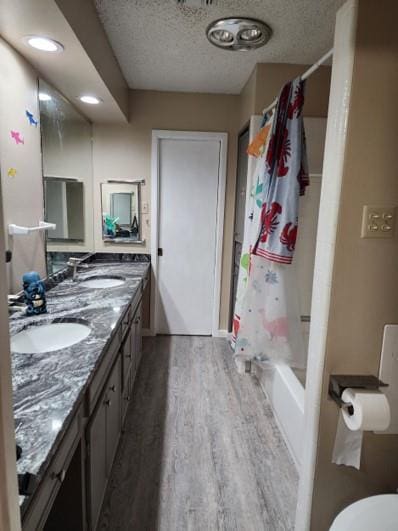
x=49, y=337
x=102, y=282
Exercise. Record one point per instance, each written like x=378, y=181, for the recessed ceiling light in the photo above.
x=44, y=44
x=44, y=97
x=238, y=34
x=223, y=36
x=250, y=35
x=91, y=100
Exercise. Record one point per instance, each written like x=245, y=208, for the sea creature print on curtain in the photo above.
x=267, y=318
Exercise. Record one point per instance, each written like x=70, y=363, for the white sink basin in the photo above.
x=102, y=282
x=48, y=337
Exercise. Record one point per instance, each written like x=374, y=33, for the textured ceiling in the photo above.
x=162, y=46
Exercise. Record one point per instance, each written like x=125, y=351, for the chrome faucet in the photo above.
x=74, y=263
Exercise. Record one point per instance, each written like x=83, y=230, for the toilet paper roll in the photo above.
x=371, y=412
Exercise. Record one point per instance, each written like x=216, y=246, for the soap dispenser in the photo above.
x=34, y=293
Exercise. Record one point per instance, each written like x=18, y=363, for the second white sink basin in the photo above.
x=102, y=282
x=48, y=337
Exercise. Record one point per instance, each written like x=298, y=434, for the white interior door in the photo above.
x=188, y=188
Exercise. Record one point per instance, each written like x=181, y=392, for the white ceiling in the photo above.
x=163, y=46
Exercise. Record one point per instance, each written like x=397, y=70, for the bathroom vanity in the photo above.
x=70, y=403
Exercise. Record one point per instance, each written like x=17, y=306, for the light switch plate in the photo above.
x=378, y=222
x=388, y=373
x=144, y=207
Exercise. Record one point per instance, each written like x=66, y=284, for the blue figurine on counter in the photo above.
x=34, y=293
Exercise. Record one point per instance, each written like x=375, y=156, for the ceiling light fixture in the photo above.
x=238, y=34
x=91, y=100
x=44, y=44
x=44, y=97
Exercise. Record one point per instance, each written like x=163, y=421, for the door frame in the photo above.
x=9, y=504
x=157, y=136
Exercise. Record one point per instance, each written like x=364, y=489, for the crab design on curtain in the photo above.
x=269, y=220
x=266, y=322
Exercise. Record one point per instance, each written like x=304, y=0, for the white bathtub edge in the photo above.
x=286, y=395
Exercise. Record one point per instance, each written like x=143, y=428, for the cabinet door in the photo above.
x=138, y=336
x=113, y=413
x=127, y=394
x=97, y=461
x=138, y=331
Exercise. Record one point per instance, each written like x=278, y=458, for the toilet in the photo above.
x=376, y=513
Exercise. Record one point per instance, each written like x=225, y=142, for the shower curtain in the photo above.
x=267, y=324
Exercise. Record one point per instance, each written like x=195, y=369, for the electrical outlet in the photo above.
x=378, y=222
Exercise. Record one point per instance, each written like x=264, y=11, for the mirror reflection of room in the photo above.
x=66, y=139
x=64, y=207
x=121, y=211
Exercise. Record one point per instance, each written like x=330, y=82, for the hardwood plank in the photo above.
x=201, y=449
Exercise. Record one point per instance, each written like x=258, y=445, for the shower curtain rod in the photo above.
x=306, y=74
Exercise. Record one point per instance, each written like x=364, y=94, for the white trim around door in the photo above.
x=157, y=136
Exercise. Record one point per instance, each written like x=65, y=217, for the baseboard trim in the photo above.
x=218, y=333
x=221, y=333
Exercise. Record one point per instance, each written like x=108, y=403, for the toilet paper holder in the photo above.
x=339, y=382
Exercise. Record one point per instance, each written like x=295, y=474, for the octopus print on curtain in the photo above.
x=267, y=323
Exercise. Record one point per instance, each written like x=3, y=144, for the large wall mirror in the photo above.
x=121, y=213
x=67, y=177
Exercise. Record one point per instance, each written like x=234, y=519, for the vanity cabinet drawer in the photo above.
x=39, y=508
x=102, y=372
x=128, y=316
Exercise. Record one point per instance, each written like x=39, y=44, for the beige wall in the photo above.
x=270, y=79
x=248, y=100
x=23, y=194
x=365, y=276
x=266, y=81
x=124, y=152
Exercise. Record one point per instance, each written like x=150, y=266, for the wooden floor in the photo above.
x=201, y=450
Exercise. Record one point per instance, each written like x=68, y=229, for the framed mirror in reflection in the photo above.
x=121, y=215
x=64, y=207
x=67, y=176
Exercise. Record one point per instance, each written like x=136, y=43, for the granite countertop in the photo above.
x=48, y=387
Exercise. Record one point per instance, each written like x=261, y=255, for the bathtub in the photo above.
x=286, y=395
x=284, y=388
